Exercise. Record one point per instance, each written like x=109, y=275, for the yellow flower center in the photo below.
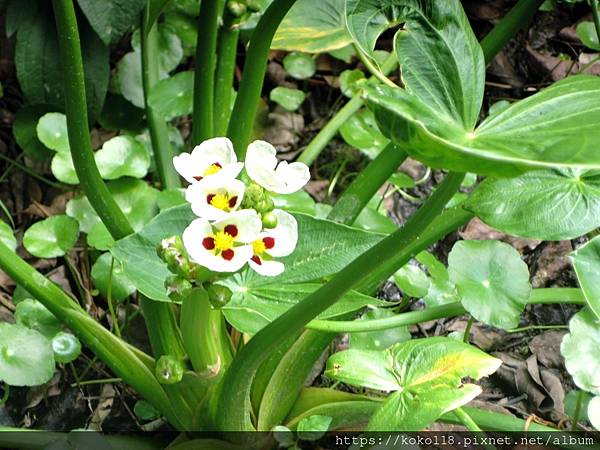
x=212, y=169
x=258, y=246
x=223, y=241
x=221, y=201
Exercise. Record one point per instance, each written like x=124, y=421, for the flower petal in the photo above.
x=199, y=195
x=193, y=236
x=247, y=223
x=193, y=167
x=285, y=234
x=267, y=268
x=262, y=168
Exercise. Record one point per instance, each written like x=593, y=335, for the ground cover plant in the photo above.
x=215, y=265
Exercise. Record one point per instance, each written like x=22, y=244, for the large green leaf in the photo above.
x=541, y=204
x=581, y=350
x=112, y=18
x=38, y=64
x=313, y=26
x=426, y=373
x=492, y=281
x=254, y=305
x=26, y=357
x=51, y=237
x=586, y=261
x=442, y=61
x=556, y=128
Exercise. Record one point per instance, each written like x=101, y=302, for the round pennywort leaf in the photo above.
x=7, y=236
x=52, y=131
x=299, y=65
x=66, y=347
x=122, y=156
x=289, y=99
x=32, y=314
x=491, y=280
x=51, y=237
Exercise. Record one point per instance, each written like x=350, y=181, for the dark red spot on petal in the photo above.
x=269, y=242
x=208, y=243
x=227, y=254
x=231, y=230
x=218, y=165
x=257, y=260
x=232, y=201
x=198, y=178
x=209, y=198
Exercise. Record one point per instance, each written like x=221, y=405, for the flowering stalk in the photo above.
x=159, y=133
x=204, y=74
x=227, y=53
x=244, y=109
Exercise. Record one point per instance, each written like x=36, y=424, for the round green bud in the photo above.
x=177, y=288
x=218, y=295
x=66, y=347
x=237, y=9
x=169, y=369
x=269, y=220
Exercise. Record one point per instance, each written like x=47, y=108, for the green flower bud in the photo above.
x=172, y=252
x=177, y=288
x=169, y=370
x=237, y=9
x=269, y=220
x=218, y=295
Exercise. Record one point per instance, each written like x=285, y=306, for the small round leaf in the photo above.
x=63, y=169
x=26, y=357
x=32, y=314
x=52, y=237
x=299, y=65
x=586, y=31
x=170, y=51
x=122, y=156
x=492, y=281
x=66, y=347
x=121, y=287
x=581, y=350
x=52, y=131
x=7, y=236
x=289, y=99
x=172, y=97
x=349, y=80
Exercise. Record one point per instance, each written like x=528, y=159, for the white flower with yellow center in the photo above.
x=226, y=245
x=215, y=197
x=263, y=168
x=213, y=156
x=274, y=243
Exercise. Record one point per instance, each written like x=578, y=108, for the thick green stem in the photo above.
x=204, y=77
x=233, y=407
x=244, y=109
x=202, y=329
x=162, y=328
x=518, y=17
x=159, y=133
x=113, y=351
x=227, y=51
x=328, y=132
x=366, y=184
x=538, y=296
x=77, y=122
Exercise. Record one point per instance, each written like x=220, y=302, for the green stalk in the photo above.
x=289, y=377
x=162, y=328
x=227, y=51
x=204, y=76
x=596, y=16
x=77, y=122
x=255, y=66
x=366, y=184
x=470, y=424
x=518, y=17
x=113, y=351
x=234, y=403
x=328, y=132
x=538, y=296
x=159, y=133
x=202, y=329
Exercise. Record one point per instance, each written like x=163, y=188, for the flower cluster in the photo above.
x=237, y=222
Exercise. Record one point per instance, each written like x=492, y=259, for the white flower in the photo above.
x=224, y=246
x=280, y=241
x=214, y=156
x=214, y=197
x=262, y=168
